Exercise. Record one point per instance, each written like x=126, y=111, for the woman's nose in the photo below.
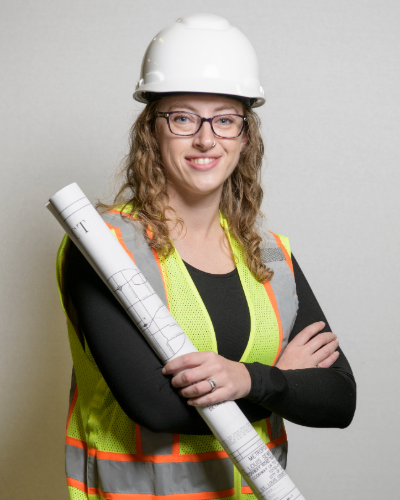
x=204, y=139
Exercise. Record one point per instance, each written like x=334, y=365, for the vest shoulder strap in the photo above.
x=276, y=256
x=129, y=232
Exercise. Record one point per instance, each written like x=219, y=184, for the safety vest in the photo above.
x=108, y=456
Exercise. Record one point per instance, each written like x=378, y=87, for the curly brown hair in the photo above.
x=144, y=190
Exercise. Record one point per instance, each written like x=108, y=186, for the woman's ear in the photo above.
x=244, y=139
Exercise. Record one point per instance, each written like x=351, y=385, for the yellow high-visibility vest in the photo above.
x=108, y=456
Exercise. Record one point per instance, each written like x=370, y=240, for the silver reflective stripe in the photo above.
x=276, y=426
x=116, y=476
x=75, y=463
x=92, y=472
x=149, y=478
x=283, y=286
x=272, y=254
x=156, y=443
x=280, y=453
x=132, y=233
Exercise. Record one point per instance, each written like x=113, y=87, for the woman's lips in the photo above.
x=205, y=166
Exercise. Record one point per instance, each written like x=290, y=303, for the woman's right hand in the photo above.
x=309, y=350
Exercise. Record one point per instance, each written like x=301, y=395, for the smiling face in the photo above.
x=195, y=167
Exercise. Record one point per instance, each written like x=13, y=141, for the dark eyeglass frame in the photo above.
x=160, y=114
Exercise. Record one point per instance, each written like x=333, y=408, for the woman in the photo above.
x=190, y=223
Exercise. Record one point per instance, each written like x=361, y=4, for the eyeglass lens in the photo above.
x=224, y=125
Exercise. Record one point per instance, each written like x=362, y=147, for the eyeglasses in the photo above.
x=186, y=124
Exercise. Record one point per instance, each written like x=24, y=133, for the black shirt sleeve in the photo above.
x=311, y=397
x=133, y=371
x=128, y=364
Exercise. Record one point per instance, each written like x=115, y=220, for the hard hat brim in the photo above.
x=146, y=97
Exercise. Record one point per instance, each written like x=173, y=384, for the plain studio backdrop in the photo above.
x=331, y=127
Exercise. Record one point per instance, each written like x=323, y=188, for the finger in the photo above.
x=196, y=390
x=320, y=340
x=186, y=361
x=209, y=399
x=325, y=352
x=305, y=335
x=328, y=362
x=192, y=376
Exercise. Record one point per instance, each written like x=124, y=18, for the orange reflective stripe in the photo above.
x=205, y=495
x=89, y=491
x=285, y=253
x=119, y=213
x=77, y=484
x=72, y=406
x=271, y=296
x=246, y=490
x=82, y=487
x=176, y=444
x=277, y=441
x=190, y=457
x=76, y=442
x=120, y=239
x=149, y=233
x=140, y=457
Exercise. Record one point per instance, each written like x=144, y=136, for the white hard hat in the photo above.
x=200, y=53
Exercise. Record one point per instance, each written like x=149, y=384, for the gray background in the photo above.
x=331, y=124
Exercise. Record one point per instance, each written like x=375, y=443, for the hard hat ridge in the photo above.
x=201, y=53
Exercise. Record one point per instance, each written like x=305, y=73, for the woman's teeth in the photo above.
x=202, y=161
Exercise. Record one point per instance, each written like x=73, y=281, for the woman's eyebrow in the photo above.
x=224, y=107
x=186, y=106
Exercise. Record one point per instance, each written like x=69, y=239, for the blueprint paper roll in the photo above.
x=259, y=468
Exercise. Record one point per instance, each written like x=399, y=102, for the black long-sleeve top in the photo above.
x=310, y=397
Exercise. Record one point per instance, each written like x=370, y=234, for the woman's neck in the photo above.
x=202, y=241
x=200, y=214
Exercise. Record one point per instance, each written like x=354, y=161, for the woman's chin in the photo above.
x=199, y=191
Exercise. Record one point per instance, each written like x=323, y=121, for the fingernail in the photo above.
x=164, y=371
x=190, y=403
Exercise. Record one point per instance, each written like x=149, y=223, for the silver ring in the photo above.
x=212, y=147
x=213, y=384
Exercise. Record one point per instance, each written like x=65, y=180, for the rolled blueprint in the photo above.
x=259, y=468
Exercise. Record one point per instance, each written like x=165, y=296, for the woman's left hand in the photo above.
x=192, y=371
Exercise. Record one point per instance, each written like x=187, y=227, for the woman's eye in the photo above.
x=225, y=120
x=182, y=119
